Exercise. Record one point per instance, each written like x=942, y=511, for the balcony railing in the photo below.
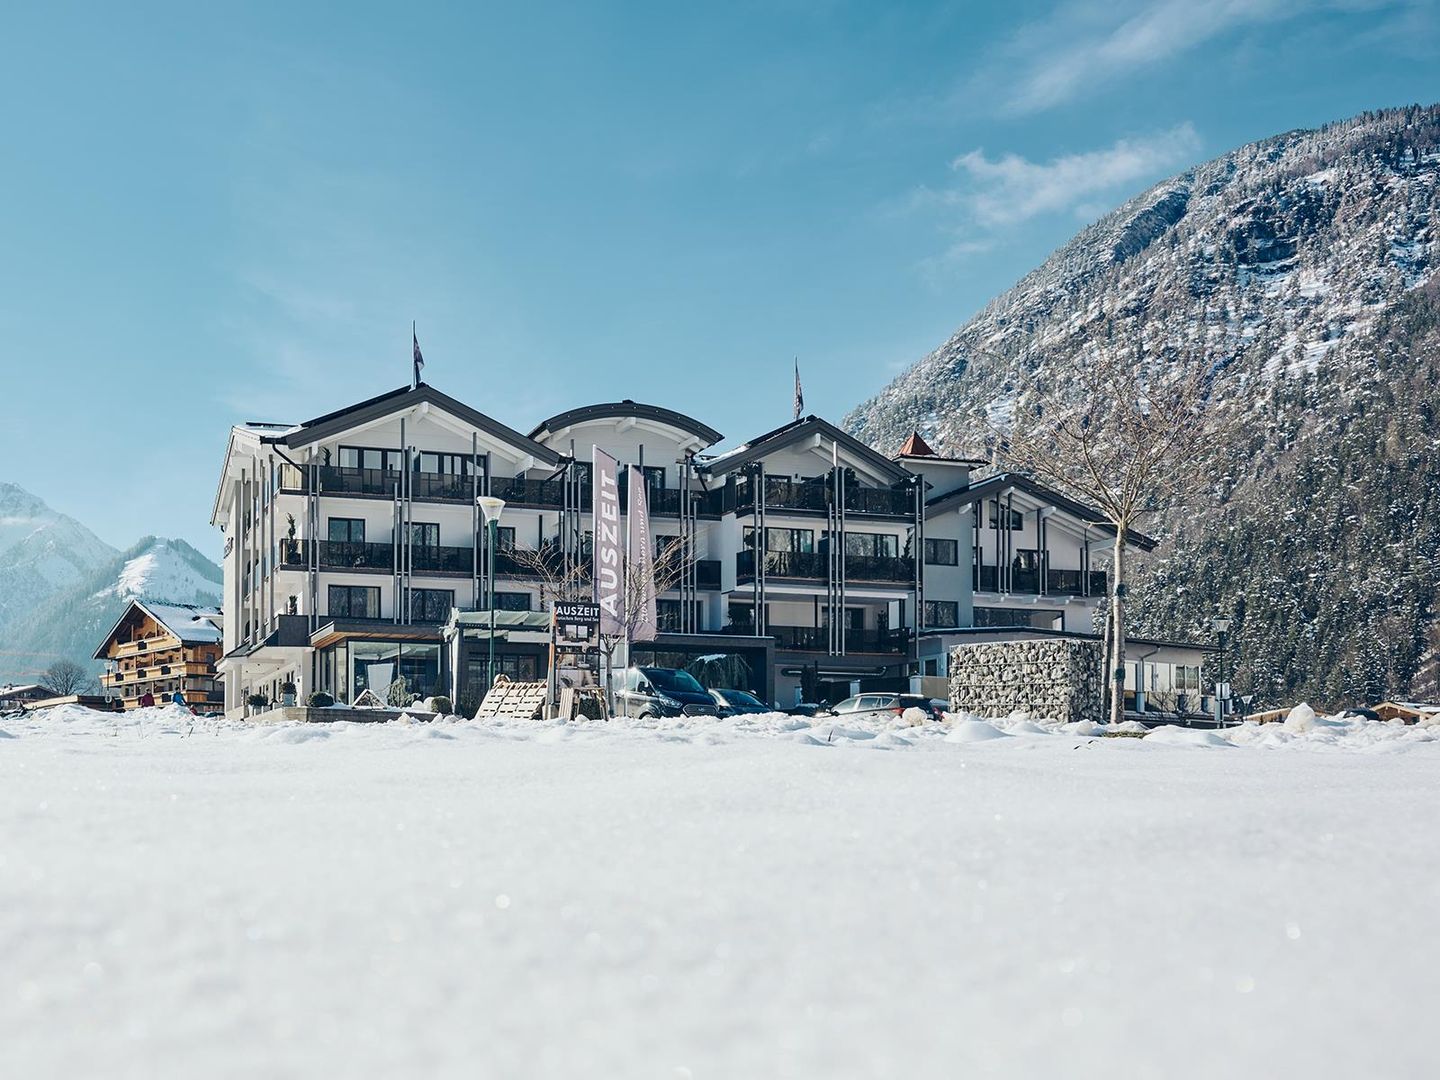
x=815, y=495
x=1057, y=582
x=815, y=565
x=817, y=639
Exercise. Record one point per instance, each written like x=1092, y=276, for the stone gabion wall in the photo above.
x=1048, y=678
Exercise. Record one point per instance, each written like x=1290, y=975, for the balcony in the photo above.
x=814, y=495
x=815, y=566
x=817, y=639
x=1057, y=582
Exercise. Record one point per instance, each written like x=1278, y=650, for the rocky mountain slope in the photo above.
x=62, y=588
x=1303, y=268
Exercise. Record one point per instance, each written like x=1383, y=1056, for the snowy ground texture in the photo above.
x=746, y=899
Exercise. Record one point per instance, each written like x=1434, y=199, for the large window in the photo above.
x=942, y=613
x=512, y=601
x=375, y=665
x=1043, y=620
x=667, y=614
x=431, y=605
x=516, y=667
x=368, y=457
x=799, y=540
x=425, y=534
x=354, y=602
x=998, y=514
x=347, y=530
x=654, y=478
x=443, y=464
x=872, y=545
x=942, y=552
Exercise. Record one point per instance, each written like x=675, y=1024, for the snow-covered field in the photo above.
x=703, y=899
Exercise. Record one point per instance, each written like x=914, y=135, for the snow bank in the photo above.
x=757, y=896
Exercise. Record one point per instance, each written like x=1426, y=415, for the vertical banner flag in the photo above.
x=609, y=571
x=642, y=560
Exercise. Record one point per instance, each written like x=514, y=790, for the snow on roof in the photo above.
x=186, y=621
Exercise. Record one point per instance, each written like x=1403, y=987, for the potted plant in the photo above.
x=287, y=694
x=257, y=703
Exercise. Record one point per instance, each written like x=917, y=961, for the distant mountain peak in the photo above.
x=161, y=569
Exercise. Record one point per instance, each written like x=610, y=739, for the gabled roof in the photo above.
x=627, y=408
x=993, y=485
x=793, y=432
x=191, y=624
x=334, y=423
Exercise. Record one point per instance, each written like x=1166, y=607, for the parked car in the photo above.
x=738, y=702
x=871, y=706
x=807, y=708
x=649, y=691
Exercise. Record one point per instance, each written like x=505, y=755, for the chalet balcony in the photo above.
x=815, y=566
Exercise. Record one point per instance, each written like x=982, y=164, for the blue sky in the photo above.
x=227, y=214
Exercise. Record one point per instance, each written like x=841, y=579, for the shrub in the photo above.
x=441, y=705
x=287, y=688
x=257, y=701
x=320, y=700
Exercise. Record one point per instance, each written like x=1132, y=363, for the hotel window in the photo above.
x=997, y=515
x=347, y=530
x=443, y=464
x=512, y=601
x=354, y=602
x=667, y=614
x=365, y=457
x=801, y=540
x=425, y=534
x=654, y=477
x=872, y=545
x=431, y=605
x=942, y=552
x=942, y=613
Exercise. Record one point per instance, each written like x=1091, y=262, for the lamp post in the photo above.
x=491, y=507
x=1221, y=626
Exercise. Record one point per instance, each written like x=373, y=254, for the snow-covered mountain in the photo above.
x=1303, y=268
x=62, y=588
x=42, y=552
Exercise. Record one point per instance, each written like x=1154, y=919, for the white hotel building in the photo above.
x=355, y=551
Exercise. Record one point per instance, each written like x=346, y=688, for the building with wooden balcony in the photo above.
x=162, y=649
x=351, y=538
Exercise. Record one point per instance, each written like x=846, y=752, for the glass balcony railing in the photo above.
x=815, y=566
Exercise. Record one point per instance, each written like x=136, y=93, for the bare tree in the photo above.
x=1128, y=437
x=65, y=677
x=545, y=565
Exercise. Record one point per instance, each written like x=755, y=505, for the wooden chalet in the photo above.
x=162, y=648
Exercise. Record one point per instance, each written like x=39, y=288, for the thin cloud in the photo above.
x=1088, y=43
x=1007, y=190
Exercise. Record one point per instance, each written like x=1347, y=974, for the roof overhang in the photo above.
x=629, y=413
x=818, y=435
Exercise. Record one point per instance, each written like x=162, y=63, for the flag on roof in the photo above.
x=799, y=393
x=419, y=360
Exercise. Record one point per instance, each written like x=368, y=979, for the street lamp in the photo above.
x=491, y=508
x=1221, y=626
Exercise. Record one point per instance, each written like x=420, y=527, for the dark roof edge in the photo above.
x=384, y=404
x=786, y=434
x=639, y=410
x=1000, y=481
